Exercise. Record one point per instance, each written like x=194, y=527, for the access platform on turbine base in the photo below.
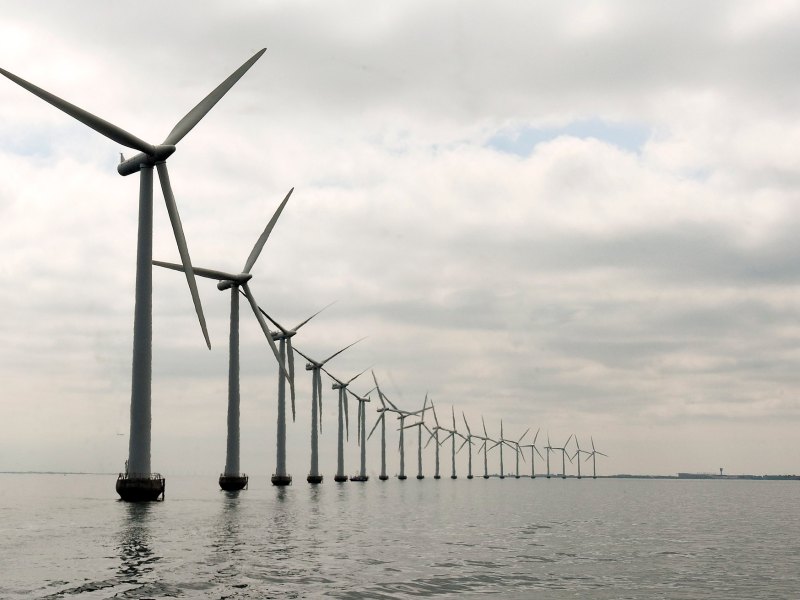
x=383, y=477
x=437, y=476
x=340, y=478
x=281, y=479
x=359, y=478
x=469, y=476
x=453, y=476
x=314, y=479
x=140, y=488
x=420, y=476
x=402, y=477
x=233, y=483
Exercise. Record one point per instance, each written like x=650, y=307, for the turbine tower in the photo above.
x=451, y=434
x=316, y=409
x=485, y=447
x=564, y=456
x=344, y=419
x=402, y=415
x=284, y=338
x=232, y=479
x=517, y=450
x=435, y=436
x=139, y=482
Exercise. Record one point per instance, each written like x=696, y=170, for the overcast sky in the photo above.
x=580, y=217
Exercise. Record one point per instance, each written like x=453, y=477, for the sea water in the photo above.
x=67, y=536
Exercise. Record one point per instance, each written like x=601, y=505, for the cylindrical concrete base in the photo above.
x=141, y=489
x=402, y=477
x=314, y=479
x=233, y=483
x=281, y=480
x=383, y=477
x=453, y=476
x=340, y=478
x=437, y=476
x=359, y=478
x=469, y=476
x=420, y=476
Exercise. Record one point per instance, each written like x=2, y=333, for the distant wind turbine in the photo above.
x=451, y=434
x=468, y=441
x=382, y=420
x=344, y=419
x=533, y=448
x=232, y=478
x=139, y=482
x=594, y=454
x=402, y=415
x=517, y=450
x=285, y=352
x=316, y=408
x=419, y=427
x=362, y=439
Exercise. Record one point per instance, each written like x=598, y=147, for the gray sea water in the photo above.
x=66, y=536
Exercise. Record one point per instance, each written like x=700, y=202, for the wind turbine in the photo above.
x=362, y=440
x=382, y=420
x=594, y=454
x=517, y=449
x=232, y=479
x=284, y=338
x=316, y=408
x=468, y=441
x=564, y=456
x=402, y=415
x=435, y=436
x=485, y=447
x=577, y=454
x=451, y=434
x=344, y=419
x=533, y=448
x=139, y=482
x=419, y=427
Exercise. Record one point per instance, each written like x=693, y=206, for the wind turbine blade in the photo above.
x=433, y=408
x=208, y=273
x=539, y=453
x=568, y=439
x=331, y=375
x=342, y=350
x=102, y=126
x=354, y=377
x=591, y=438
x=522, y=455
x=177, y=228
x=312, y=316
x=465, y=423
x=319, y=397
x=192, y=118
x=535, y=437
x=249, y=295
x=485, y=435
x=601, y=454
x=462, y=445
x=523, y=435
x=290, y=359
x=374, y=427
x=254, y=253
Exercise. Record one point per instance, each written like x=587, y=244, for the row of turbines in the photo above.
x=139, y=482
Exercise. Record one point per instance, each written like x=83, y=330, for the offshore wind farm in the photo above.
x=553, y=287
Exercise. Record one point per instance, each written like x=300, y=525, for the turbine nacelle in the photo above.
x=135, y=163
x=239, y=279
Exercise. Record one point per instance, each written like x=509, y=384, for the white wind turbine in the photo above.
x=517, y=450
x=578, y=453
x=469, y=442
x=232, y=478
x=344, y=419
x=419, y=427
x=139, y=482
x=533, y=448
x=501, y=443
x=451, y=434
x=485, y=447
x=402, y=415
x=316, y=409
x=382, y=420
x=286, y=355
x=435, y=436
x=362, y=439
x=594, y=454
x=564, y=456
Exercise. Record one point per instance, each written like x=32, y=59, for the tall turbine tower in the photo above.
x=402, y=415
x=435, y=436
x=485, y=447
x=451, y=435
x=232, y=478
x=139, y=482
x=316, y=409
x=344, y=419
x=286, y=353
x=564, y=457
x=517, y=450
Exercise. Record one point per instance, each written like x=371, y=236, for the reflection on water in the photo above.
x=136, y=556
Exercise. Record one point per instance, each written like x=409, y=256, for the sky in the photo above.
x=575, y=217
